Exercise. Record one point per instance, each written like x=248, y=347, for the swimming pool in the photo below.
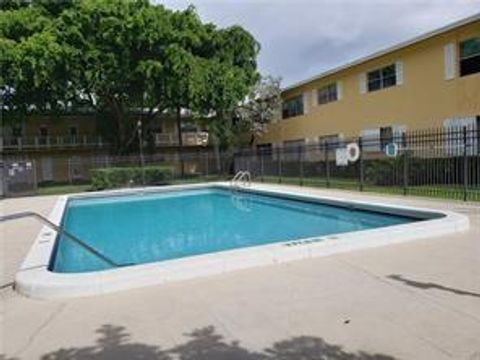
x=143, y=228
x=166, y=234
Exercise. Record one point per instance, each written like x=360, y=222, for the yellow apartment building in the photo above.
x=430, y=81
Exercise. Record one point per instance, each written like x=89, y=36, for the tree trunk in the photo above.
x=121, y=133
x=179, y=126
x=119, y=117
x=180, y=139
x=216, y=149
x=252, y=141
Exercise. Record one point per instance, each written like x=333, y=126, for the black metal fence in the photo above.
x=48, y=173
x=437, y=163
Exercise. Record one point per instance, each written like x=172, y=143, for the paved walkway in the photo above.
x=419, y=300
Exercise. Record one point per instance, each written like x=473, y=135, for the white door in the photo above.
x=47, y=169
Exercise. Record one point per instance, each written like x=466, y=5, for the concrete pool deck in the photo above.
x=416, y=300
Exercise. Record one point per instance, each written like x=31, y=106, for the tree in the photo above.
x=123, y=57
x=30, y=59
x=228, y=78
x=118, y=49
x=261, y=107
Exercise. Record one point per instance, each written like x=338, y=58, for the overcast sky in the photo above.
x=302, y=38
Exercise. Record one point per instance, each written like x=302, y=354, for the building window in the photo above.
x=264, y=149
x=382, y=78
x=189, y=127
x=294, y=143
x=386, y=136
x=376, y=139
x=327, y=94
x=43, y=132
x=292, y=149
x=470, y=56
x=73, y=134
x=17, y=130
x=293, y=107
x=332, y=141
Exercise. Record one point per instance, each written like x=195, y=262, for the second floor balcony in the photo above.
x=12, y=143
x=196, y=138
x=43, y=143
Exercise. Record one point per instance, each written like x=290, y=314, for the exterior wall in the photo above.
x=61, y=166
x=424, y=100
x=85, y=124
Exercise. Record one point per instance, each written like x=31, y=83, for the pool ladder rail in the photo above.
x=62, y=231
x=241, y=178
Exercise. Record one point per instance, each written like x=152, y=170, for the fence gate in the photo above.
x=19, y=178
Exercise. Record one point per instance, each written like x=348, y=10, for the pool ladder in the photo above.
x=241, y=178
x=62, y=231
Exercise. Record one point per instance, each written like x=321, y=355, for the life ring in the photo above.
x=391, y=150
x=353, y=152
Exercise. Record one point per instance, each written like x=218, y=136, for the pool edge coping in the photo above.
x=33, y=279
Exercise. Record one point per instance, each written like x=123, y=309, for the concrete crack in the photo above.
x=42, y=327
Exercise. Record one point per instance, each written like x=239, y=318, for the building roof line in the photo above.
x=377, y=54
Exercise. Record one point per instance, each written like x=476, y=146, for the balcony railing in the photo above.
x=199, y=138
x=50, y=142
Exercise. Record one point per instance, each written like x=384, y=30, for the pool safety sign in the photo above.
x=341, y=158
x=348, y=154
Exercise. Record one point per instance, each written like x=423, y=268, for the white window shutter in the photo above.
x=460, y=122
x=455, y=124
x=399, y=72
x=305, y=102
x=314, y=97
x=450, y=57
x=398, y=131
x=370, y=139
x=362, y=82
x=339, y=90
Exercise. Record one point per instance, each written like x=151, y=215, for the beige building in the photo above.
x=428, y=82
x=64, y=148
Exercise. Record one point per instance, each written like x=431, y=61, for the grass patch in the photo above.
x=431, y=191
x=63, y=189
x=440, y=191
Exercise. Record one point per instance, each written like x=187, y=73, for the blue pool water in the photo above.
x=160, y=226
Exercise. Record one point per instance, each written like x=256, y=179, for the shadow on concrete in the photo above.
x=429, y=285
x=114, y=342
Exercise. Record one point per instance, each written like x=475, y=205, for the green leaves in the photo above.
x=122, y=55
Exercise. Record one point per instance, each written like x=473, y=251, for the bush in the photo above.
x=109, y=178
x=381, y=171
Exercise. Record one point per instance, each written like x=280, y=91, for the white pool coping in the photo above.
x=35, y=280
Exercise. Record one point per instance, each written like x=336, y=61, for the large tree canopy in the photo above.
x=121, y=56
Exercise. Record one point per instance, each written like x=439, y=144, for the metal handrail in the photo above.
x=59, y=229
x=240, y=176
x=247, y=178
x=235, y=178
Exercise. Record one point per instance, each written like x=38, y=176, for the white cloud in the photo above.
x=301, y=38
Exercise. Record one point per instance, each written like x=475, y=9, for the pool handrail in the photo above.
x=62, y=231
x=241, y=177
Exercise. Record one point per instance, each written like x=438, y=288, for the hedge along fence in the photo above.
x=116, y=177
